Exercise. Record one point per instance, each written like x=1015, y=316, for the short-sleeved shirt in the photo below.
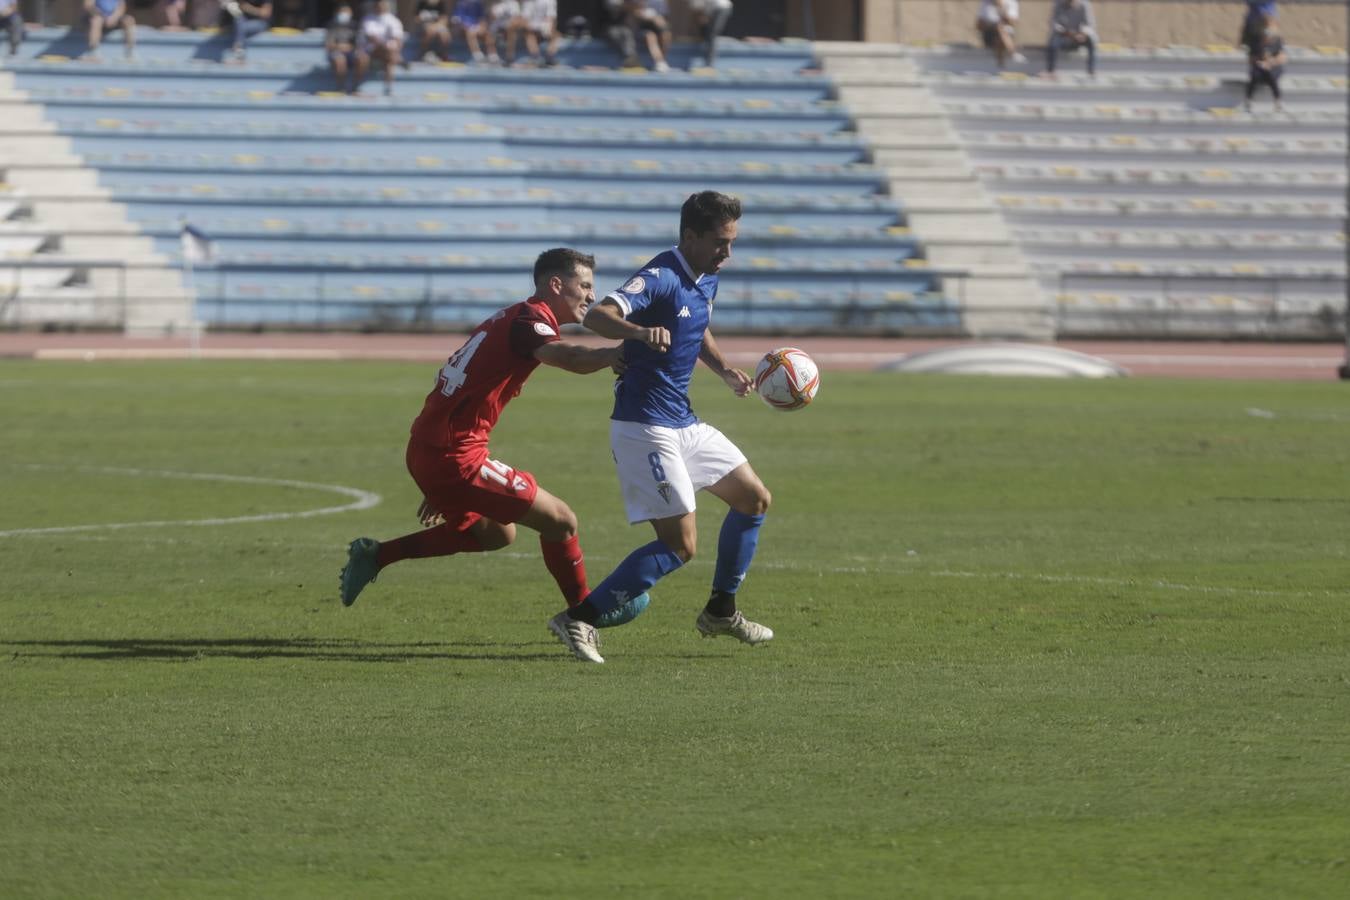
x=481, y=377
x=377, y=29
x=341, y=33
x=654, y=388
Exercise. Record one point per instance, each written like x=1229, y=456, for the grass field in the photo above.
x=1034, y=638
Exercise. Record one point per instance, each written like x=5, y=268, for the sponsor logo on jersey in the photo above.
x=653, y=271
x=684, y=313
x=544, y=328
x=635, y=286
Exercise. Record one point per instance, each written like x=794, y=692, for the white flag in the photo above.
x=197, y=246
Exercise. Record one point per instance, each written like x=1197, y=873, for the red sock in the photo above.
x=567, y=567
x=438, y=541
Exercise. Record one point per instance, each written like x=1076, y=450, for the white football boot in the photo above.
x=738, y=626
x=579, y=637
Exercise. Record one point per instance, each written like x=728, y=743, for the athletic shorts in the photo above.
x=661, y=468
x=465, y=491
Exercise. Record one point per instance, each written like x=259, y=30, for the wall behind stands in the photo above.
x=1131, y=23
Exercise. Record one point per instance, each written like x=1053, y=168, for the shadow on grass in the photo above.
x=317, y=649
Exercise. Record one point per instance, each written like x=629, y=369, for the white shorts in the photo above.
x=661, y=468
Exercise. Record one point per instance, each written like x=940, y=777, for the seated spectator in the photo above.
x=13, y=22
x=247, y=20
x=105, y=17
x=710, y=17
x=997, y=24
x=1072, y=25
x=470, y=20
x=175, y=11
x=348, y=60
x=382, y=40
x=433, y=30
x=649, y=18
x=1265, y=61
x=616, y=24
x=539, y=23
x=504, y=23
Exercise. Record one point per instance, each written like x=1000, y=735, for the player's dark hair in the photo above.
x=562, y=261
x=707, y=210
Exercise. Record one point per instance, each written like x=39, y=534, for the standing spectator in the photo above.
x=997, y=24
x=539, y=23
x=1072, y=25
x=1265, y=61
x=382, y=40
x=470, y=20
x=12, y=22
x=105, y=17
x=433, y=30
x=248, y=21
x=710, y=16
x=1257, y=11
x=349, y=61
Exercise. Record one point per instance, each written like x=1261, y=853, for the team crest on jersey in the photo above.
x=544, y=328
x=664, y=490
x=635, y=286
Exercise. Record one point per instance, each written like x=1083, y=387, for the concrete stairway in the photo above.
x=930, y=176
x=93, y=267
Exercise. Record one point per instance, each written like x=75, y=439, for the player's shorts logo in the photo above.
x=664, y=490
x=635, y=286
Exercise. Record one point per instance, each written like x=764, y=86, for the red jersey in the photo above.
x=481, y=377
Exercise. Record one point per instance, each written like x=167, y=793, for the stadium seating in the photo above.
x=427, y=208
x=1146, y=200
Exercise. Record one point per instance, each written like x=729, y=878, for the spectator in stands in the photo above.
x=504, y=23
x=247, y=21
x=175, y=11
x=650, y=21
x=539, y=24
x=382, y=40
x=616, y=24
x=1072, y=25
x=433, y=30
x=105, y=17
x=348, y=60
x=1265, y=61
x=1257, y=11
x=470, y=20
x=710, y=17
x=11, y=21
x=997, y=25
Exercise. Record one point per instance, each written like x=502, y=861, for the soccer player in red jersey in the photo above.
x=473, y=502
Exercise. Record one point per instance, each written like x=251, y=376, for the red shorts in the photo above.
x=466, y=490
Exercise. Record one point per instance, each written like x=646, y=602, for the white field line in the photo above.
x=360, y=500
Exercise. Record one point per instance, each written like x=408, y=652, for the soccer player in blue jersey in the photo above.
x=663, y=452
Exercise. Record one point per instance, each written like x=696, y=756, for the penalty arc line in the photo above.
x=360, y=500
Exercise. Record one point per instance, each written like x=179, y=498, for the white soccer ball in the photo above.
x=787, y=378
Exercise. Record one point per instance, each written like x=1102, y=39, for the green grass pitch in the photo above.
x=1034, y=638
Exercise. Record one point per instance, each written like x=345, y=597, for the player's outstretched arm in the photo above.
x=606, y=319
x=578, y=358
x=712, y=357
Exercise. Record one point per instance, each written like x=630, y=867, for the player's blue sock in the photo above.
x=642, y=568
x=735, y=548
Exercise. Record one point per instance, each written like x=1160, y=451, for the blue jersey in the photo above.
x=654, y=389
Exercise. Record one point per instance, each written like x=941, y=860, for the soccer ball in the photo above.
x=787, y=378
